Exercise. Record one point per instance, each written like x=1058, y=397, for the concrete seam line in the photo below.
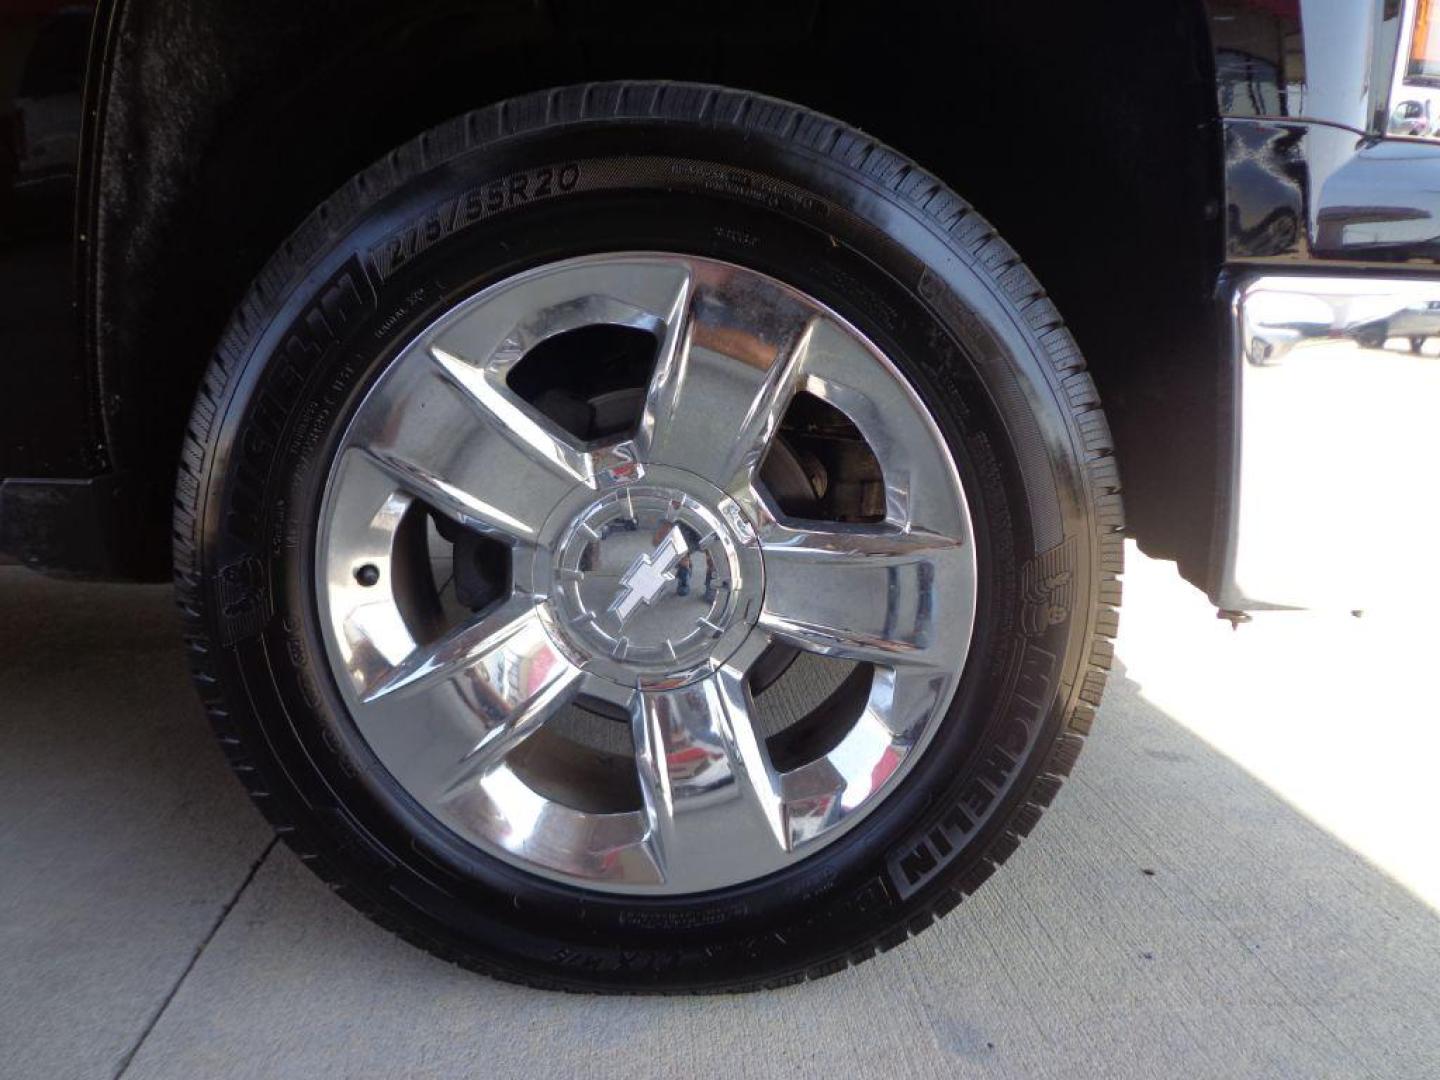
x=225, y=910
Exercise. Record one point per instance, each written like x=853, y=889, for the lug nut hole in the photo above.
x=367, y=575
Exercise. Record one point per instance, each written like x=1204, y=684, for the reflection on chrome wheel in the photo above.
x=643, y=578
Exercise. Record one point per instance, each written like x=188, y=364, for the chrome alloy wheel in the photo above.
x=649, y=578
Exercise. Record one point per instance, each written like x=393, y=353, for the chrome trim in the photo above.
x=1336, y=448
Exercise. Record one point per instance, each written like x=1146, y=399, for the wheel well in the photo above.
x=1087, y=134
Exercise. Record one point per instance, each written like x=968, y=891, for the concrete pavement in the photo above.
x=1241, y=880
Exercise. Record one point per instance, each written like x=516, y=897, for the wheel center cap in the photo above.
x=656, y=583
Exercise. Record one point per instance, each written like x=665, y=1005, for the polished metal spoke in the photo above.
x=864, y=593
x=421, y=433
x=481, y=343
x=529, y=432
x=517, y=518
x=493, y=646
x=845, y=371
x=710, y=794
x=724, y=378
x=479, y=691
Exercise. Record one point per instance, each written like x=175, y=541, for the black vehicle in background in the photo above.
x=635, y=475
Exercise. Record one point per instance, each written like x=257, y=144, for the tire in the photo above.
x=748, y=182
x=1373, y=337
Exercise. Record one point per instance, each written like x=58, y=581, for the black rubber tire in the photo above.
x=1373, y=337
x=733, y=176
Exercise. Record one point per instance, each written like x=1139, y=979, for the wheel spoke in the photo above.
x=725, y=375
x=517, y=521
x=710, y=793
x=503, y=666
x=862, y=593
x=920, y=485
x=478, y=692
x=823, y=792
x=552, y=691
x=510, y=416
x=531, y=434
x=481, y=343
x=422, y=436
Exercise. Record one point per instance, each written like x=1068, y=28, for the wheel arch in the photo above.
x=1083, y=136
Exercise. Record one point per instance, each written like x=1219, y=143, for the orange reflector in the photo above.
x=1424, y=42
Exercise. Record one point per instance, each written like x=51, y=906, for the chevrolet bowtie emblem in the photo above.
x=649, y=574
